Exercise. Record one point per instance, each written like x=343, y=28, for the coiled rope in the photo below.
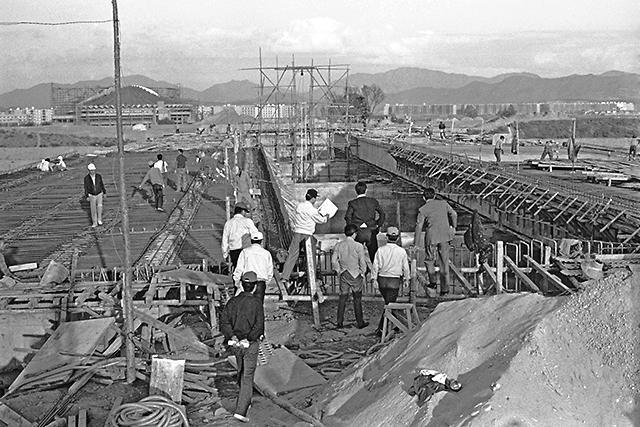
x=152, y=411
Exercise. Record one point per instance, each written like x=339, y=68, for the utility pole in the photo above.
x=127, y=302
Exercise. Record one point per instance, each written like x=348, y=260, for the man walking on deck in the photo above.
x=94, y=191
x=242, y=325
x=633, y=148
x=349, y=262
x=365, y=213
x=442, y=128
x=303, y=224
x=257, y=259
x=154, y=176
x=390, y=270
x=181, y=171
x=237, y=232
x=440, y=221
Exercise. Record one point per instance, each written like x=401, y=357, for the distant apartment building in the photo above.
x=554, y=108
x=29, y=116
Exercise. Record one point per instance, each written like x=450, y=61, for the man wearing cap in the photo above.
x=154, y=176
x=365, y=213
x=257, y=259
x=242, y=325
x=350, y=263
x=440, y=221
x=390, y=269
x=181, y=170
x=94, y=190
x=237, y=232
x=303, y=225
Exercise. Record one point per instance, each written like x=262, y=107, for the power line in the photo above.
x=7, y=23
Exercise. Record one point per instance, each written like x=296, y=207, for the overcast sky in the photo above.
x=199, y=43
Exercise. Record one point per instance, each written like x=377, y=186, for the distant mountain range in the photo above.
x=402, y=85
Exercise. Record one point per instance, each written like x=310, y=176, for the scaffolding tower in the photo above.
x=300, y=109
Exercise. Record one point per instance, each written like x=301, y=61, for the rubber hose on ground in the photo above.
x=152, y=411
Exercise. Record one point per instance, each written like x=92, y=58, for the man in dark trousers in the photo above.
x=365, y=213
x=440, y=221
x=349, y=262
x=242, y=325
x=181, y=171
x=154, y=176
x=94, y=191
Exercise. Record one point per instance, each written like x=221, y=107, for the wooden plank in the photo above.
x=550, y=277
x=516, y=270
x=80, y=337
x=311, y=276
x=578, y=211
x=460, y=277
x=150, y=320
x=71, y=421
x=167, y=378
x=490, y=273
x=535, y=202
x=82, y=418
x=565, y=209
x=12, y=418
x=499, y=266
x=622, y=212
x=23, y=267
x=545, y=204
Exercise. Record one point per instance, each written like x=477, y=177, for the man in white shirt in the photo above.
x=161, y=164
x=237, y=232
x=257, y=259
x=390, y=269
x=303, y=226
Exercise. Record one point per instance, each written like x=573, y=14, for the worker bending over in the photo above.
x=154, y=176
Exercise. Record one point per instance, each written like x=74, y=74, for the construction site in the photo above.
x=119, y=323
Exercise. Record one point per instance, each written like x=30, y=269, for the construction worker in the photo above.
x=304, y=223
x=365, y=213
x=257, y=259
x=237, y=233
x=440, y=221
x=60, y=165
x=242, y=325
x=350, y=263
x=442, y=128
x=94, y=191
x=390, y=270
x=154, y=176
x=4, y=269
x=45, y=165
x=547, y=151
x=633, y=148
x=498, y=151
x=161, y=164
x=181, y=171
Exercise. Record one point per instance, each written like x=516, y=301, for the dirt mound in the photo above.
x=523, y=360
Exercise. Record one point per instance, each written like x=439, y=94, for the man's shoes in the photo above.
x=241, y=418
x=363, y=325
x=99, y=222
x=94, y=225
x=160, y=210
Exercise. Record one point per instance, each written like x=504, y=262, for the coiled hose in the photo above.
x=152, y=411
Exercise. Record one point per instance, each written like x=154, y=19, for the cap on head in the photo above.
x=256, y=236
x=393, y=232
x=311, y=194
x=91, y=167
x=243, y=206
x=249, y=277
x=150, y=163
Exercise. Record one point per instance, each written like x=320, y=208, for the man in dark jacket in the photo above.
x=365, y=213
x=94, y=190
x=242, y=325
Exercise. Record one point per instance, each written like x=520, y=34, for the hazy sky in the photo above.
x=199, y=43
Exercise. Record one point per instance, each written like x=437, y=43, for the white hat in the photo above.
x=256, y=235
x=59, y=157
x=91, y=167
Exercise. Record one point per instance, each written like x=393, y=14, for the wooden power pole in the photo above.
x=127, y=302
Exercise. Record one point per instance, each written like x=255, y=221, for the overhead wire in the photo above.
x=8, y=23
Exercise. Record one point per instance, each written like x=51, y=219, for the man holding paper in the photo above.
x=303, y=226
x=366, y=214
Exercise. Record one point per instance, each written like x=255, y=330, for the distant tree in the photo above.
x=373, y=96
x=358, y=107
x=470, y=111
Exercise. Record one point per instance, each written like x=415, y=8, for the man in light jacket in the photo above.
x=257, y=259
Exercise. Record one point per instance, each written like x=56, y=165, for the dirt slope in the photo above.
x=556, y=362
